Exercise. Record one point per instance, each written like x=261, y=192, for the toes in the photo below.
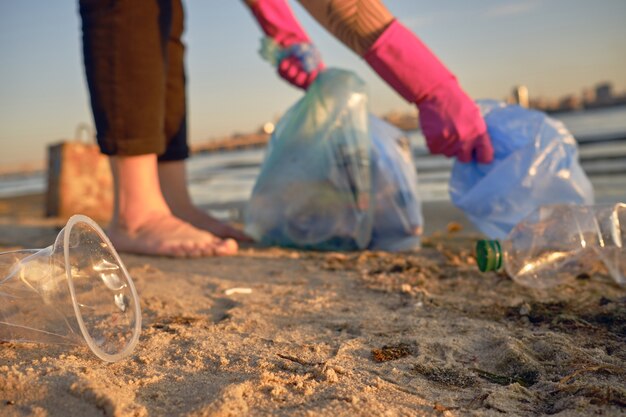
x=226, y=247
x=191, y=249
x=169, y=248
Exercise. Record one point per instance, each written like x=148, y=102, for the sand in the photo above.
x=333, y=334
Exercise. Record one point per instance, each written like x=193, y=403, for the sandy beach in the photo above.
x=291, y=333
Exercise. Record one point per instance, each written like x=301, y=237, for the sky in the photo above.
x=554, y=47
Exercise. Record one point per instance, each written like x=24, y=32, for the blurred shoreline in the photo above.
x=218, y=167
x=22, y=169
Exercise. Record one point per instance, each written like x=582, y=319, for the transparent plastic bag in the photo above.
x=398, y=217
x=314, y=189
x=535, y=164
x=336, y=178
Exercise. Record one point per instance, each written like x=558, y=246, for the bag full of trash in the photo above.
x=535, y=164
x=398, y=220
x=335, y=177
x=314, y=189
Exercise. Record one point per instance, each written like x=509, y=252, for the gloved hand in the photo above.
x=278, y=22
x=450, y=120
x=453, y=126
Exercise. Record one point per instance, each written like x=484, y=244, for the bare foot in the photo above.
x=165, y=234
x=173, y=181
x=143, y=222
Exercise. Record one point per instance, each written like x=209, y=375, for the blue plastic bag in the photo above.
x=335, y=177
x=535, y=163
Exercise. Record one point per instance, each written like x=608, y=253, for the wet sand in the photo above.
x=333, y=334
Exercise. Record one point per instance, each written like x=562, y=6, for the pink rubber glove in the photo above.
x=278, y=22
x=450, y=120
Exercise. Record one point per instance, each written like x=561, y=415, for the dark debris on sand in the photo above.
x=569, y=340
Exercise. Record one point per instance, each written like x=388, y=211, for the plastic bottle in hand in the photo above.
x=556, y=243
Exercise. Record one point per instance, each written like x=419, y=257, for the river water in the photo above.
x=224, y=179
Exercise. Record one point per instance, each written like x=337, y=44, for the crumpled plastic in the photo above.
x=398, y=220
x=535, y=163
x=334, y=177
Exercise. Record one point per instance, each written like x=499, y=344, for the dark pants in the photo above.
x=133, y=57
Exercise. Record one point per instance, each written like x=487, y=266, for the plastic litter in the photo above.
x=238, y=290
x=334, y=177
x=556, y=243
x=76, y=291
x=398, y=220
x=535, y=164
x=314, y=188
x=306, y=53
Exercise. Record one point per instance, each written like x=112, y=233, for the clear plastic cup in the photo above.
x=73, y=292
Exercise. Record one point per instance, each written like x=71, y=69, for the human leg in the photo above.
x=125, y=70
x=171, y=167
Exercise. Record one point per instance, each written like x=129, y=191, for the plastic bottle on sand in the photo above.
x=556, y=243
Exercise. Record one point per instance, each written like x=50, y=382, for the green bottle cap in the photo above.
x=488, y=255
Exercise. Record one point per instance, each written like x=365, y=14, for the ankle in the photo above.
x=132, y=221
x=173, y=182
x=138, y=196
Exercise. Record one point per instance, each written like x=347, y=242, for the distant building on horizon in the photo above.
x=520, y=96
x=601, y=95
x=569, y=103
x=588, y=96
x=604, y=93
